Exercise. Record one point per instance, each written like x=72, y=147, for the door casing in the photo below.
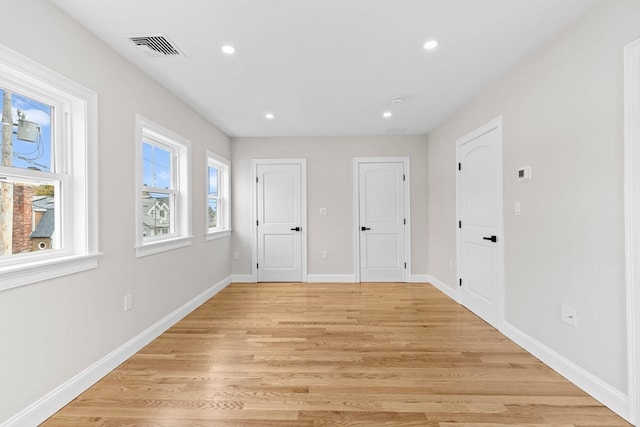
x=254, y=211
x=632, y=222
x=356, y=210
x=495, y=124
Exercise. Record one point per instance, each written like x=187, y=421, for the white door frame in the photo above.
x=254, y=211
x=632, y=221
x=495, y=124
x=356, y=210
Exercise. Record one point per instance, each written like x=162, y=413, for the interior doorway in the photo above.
x=381, y=218
x=480, y=222
x=280, y=220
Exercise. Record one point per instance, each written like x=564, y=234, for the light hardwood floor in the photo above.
x=290, y=354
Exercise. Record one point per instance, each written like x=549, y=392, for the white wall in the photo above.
x=563, y=116
x=329, y=185
x=51, y=331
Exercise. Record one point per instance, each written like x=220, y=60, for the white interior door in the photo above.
x=381, y=222
x=480, y=227
x=279, y=222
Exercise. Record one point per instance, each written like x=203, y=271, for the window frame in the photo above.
x=74, y=168
x=180, y=235
x=224, y=196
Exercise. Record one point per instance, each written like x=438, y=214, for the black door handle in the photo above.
x=492, y=238
x=364, y=228
x=295, y=229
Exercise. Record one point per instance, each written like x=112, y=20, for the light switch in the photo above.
x=323, y=212
x=517, y=208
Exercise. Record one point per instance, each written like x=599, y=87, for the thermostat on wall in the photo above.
x=524, y=174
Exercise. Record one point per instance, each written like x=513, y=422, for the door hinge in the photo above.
x=256, y=179
x=257, y=266
x=404, y=177
x=257, y=222
x=459, y=166
x=459, y=224
x=405, y=265
x=460, y=284
x=405, y=221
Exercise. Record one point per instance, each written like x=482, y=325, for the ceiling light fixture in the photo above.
x=228, y=49
x=269, y=116
x=386, y=114
x=431, y=44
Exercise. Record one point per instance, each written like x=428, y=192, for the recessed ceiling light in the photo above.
x=228, y=49
x=431, y=44
x=269, y=116
x=386, y=114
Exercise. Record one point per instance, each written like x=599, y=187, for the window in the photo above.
x=218, y=197
x=163, y=193
x=48, y=184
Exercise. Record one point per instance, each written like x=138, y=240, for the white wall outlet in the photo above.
x=569, y=316
x=324, y=212
x=236, y=255
x=517, y=208
x=324, y=255
x=128, y=303
x=524, y=174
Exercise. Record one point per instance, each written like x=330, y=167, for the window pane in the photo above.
x=30, y=121
x=31, y=227
x=156, y=214
x=213, y=181
x=156, y=166
x=213, y=213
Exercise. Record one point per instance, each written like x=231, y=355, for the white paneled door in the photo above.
x=279, y=222
x=382, y=221
x=480, y=222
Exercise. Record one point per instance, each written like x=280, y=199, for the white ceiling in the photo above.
x=328, y=67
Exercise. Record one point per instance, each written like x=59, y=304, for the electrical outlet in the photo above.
x=569, y=316
x=324, y=255
x=127, y=302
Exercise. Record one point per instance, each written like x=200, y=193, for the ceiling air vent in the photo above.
x=395, y=131
x=156, y=45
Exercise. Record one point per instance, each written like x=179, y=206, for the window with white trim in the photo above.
x=48, y=173
x=163, y=193
x=218, y=206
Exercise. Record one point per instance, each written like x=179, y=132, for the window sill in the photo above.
x=163, y=246
x=217, y=234
x=37, y=271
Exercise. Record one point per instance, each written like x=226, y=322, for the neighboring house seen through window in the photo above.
x=163, y=193
x=48, y=209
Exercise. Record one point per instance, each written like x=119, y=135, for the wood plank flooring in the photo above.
x=329, y=355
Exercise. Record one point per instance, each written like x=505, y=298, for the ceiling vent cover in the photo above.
x=156, y=45
x=396, y=131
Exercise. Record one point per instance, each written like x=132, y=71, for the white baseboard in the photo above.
x=327, y=278
x=331, y=278
x=53, y=401
x=609, y=396
x=442, y=287
x=243, y=278
x=419, y=278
